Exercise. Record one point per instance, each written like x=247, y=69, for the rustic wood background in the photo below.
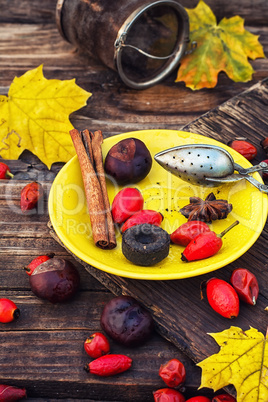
x=181, y=316
x=43, y=350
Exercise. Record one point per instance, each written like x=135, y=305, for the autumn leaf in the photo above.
x=35, y=116
x=220, y=47
x=241, y=361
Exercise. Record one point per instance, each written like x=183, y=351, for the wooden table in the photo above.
x=43, y=350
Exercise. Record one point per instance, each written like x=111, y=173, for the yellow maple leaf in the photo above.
x=35, y=116
x=242, y=361
x=220, y=47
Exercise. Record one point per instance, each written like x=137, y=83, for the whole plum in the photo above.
x=128, y=161
x=126, y=321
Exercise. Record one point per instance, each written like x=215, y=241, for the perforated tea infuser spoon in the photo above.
x=206, y=165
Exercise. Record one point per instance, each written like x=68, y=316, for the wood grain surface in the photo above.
x=29, y=37
x=43, y=350
x=182, y=317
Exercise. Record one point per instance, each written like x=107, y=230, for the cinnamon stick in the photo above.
x=87, y=144
x=97, y=140
x=93, y=190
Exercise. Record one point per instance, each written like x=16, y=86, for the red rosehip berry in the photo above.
x=31, y=194
x=5, y=171
x=173, y=373
x=188, y=231
x=204, y=245
x=11, y=394
x=35, y=262
x=246, y=285
x=264, y=144
x=97, y=345
x=168, y=395
x=245, y=148
x=108, y=365
x=264, y=173
x=144, y=216
x=222, y=297
x=223, y=398
x=8, y=310
x=126, y=203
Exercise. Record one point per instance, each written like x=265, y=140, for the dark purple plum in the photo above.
x=126, y=321
x=128, y=161
x=55, y=280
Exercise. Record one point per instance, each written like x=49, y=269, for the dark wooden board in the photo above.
x=113, y=107
x=24, y=11
x=43, y=350
x=29, y=37
x=180, y=314
x=50, y=356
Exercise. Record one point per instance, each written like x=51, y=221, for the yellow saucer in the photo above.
x=167, y=194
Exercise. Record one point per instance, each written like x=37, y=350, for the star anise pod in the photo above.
x=206, y=210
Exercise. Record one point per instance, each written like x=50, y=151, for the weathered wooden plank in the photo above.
x=27, y=245
x=181, y=316
x=24, y=11
x=29, y=38
x=11, y=191
x=12, y=214
x=35, y=366
x=112, y=107
x=81, y=313
x=187, y=324
x=242, y=116
x=64, y=399
x=28, y=228
x=53, y=359
x=13, y=276
x=67, y=399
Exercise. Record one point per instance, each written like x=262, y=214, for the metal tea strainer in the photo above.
x=143, y=40
x=207, y=165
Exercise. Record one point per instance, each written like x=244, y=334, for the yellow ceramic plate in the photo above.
x=167, y=194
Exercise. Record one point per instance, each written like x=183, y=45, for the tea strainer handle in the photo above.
x=120, y=42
